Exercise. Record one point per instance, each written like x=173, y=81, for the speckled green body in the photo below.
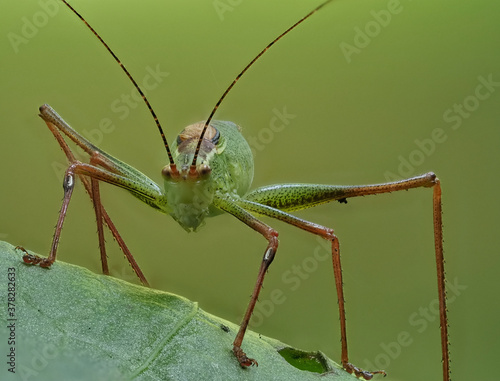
x=220, y=182
x=291, y=197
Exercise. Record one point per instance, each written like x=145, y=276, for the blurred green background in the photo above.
x=357, y=117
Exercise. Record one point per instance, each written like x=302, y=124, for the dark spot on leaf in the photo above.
x=342, y=200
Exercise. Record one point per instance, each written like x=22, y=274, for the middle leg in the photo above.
x=329, y=235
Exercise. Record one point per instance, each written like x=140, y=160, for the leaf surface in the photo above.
x=72, y=324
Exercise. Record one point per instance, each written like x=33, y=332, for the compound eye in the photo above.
x=205, y=170
x=215, y=139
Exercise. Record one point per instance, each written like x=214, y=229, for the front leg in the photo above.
x=329, y=235
x=68, y=185
x=228, y=205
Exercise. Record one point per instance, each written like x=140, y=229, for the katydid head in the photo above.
x=224, y=164
x=185, y=148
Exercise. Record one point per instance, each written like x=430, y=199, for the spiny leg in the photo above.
x=95, y=197
x=426, y=180
x=96, y=201
x=339, y=285
x=226, y=204
x=329, y=235
x=98, y=207
x=96, y=159
x=68, y=185
x=443, y=311
x=96, y=174
x=89, y=189
x=290, y=197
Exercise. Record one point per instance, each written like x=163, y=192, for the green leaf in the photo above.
x=71, y=324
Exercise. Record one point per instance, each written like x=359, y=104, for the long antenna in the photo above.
x=170, y=159
x=193, y=164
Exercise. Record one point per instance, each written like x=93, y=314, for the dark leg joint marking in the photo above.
x=269, y=256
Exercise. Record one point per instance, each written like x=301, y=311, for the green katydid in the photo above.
x=209, y=172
